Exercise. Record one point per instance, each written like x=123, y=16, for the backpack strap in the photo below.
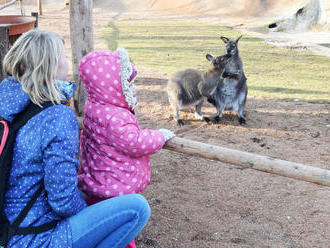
x=30, y=110
x=5, y=135
x=14, y=228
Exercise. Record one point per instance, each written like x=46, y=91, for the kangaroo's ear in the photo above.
x=224, y=39
x=209, y=57
x=239, y=38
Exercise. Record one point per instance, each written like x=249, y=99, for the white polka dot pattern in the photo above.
x=46, y=150
x=112, y=131
x=123, y=164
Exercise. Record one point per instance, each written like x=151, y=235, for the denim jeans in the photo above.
x=114, y=222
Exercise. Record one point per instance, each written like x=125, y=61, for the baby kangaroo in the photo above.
x=232, y=91
x=190, y=86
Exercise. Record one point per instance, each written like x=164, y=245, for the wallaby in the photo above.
x=190, y=86
x=232, y=90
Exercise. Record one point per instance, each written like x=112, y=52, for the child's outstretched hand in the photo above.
x=167, y=134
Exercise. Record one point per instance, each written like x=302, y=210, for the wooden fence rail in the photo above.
x=250, y=160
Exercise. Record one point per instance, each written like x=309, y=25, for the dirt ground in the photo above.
x=201, y=203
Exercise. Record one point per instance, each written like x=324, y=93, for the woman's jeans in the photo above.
x=114, y=222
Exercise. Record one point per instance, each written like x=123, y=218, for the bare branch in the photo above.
x=7, y=4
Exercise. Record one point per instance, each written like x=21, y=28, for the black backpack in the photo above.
x=8, y=133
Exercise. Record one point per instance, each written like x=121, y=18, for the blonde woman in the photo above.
x=45, y=156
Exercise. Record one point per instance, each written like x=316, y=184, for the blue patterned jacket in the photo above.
x=46, y=150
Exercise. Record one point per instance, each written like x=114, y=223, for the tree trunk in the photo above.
x=4, y=47
x=250, y=160
x=81, y=33
x=40, y=6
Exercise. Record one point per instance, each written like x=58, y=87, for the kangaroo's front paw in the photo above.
x=180, y=122
x=241, y=120
x=216, y=120
x=207, y=119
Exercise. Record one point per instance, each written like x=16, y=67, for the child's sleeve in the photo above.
x=127, y=137
x=60, y=148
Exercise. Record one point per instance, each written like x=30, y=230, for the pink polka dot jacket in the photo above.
x=114, y=148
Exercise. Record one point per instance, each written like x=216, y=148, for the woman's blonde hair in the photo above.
x=33, y=61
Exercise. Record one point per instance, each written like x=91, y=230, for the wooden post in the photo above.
x=35, y=14
x=40, y=6
x=81, y=34
x=250, y=160
x=21, y=6
x=4, y=47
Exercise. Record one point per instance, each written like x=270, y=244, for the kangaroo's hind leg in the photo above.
x=175, y=104
x=176, y=115
x=220, y=105
x=241, y=118
x=241, y=104
x=198, y=112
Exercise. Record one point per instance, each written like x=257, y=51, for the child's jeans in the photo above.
x=114, y=222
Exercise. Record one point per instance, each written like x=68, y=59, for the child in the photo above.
x=114, y=149
x=45, y=159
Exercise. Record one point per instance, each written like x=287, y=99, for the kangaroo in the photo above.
x=190, y=86
x=232, y=90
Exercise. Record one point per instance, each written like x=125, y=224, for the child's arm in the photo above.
x=127, y=137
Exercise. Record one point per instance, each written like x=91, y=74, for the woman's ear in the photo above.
x=63, y=67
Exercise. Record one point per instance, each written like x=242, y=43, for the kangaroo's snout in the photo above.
x=222, y=60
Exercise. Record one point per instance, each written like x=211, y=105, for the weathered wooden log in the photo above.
x=250, y=160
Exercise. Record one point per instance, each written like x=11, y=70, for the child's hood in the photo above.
x=106, y=76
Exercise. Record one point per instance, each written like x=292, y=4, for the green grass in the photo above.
x=272, y=72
